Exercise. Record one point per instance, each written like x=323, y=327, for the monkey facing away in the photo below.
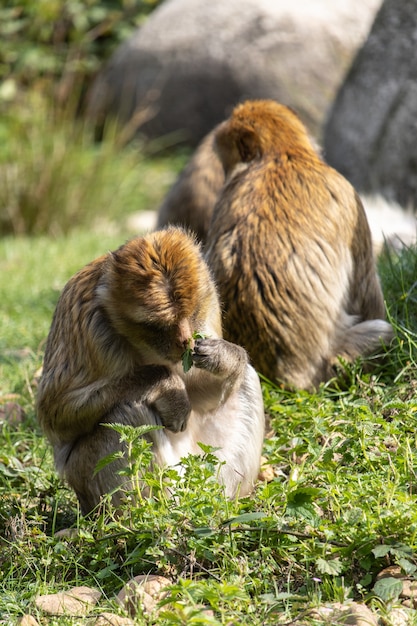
x=114, y=352
x=291, y=251
x=190, y=201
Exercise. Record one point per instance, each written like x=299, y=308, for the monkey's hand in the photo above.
x=220, y=357
x=172, y=404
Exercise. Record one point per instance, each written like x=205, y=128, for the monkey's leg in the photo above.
x=170, y=408
x=365, y=339
x=80, y=464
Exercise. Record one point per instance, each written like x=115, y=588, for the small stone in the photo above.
x=359, y=615
x=321, y=613
x=111, y=619
x=28, y=620
x=12, y=413
x=393, y=571
x=409, y=589
x=410, y=603
x=400, y=617
x=76, y=601
x=266, y=472
x=354, y=614
x=66, y=533
x=143, y=591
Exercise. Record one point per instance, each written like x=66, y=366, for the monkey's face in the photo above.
x=158, y=343
x=156, y=291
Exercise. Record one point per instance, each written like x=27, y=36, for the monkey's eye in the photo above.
x=143, y=329
x=154, y=329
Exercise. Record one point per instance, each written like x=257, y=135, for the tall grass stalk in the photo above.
x=54, y=176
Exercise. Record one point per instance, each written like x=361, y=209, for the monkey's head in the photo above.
x=157, y=291
x=257, y=128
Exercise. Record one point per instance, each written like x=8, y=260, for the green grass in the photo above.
x=342, y=505
x=54, y=176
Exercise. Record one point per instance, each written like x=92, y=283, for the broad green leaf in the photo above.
x=401, y=550
x=187, y=355
x=187, y=360
x=407, y=567
x=110, y=458
x=380, y=551
x=332, y=567
x=303, y=495
x=366, y=580
x=388, y=588
x=304, y=510
x=204, y=531
x=245, y=517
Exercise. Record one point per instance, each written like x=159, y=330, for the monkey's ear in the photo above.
x=247, y=142
x=236, y=142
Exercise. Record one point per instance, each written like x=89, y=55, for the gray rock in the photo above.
x=371, y=133
x=193, y=60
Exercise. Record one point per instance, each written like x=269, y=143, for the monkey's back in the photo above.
x=78, y=350
x=189, y=202
x=280, y=246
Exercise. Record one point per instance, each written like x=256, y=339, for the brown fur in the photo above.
x=191, y=199
x=291, y=251
x=114, y=355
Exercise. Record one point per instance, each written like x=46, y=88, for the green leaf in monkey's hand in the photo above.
x=187, y=360
x=187, y=355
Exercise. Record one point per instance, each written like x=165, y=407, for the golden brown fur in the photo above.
x=291, y=251
x=191, y=199
x=114, y=355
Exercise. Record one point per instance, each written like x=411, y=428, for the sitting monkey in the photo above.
x=114, y=354
x=291, y=251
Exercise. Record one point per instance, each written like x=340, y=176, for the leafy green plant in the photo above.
x=58, y=39
x=54, y=177
x=398, y=274
x=339, y=508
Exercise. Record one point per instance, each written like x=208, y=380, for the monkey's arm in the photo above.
x=221, y=367
x=68, y=415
